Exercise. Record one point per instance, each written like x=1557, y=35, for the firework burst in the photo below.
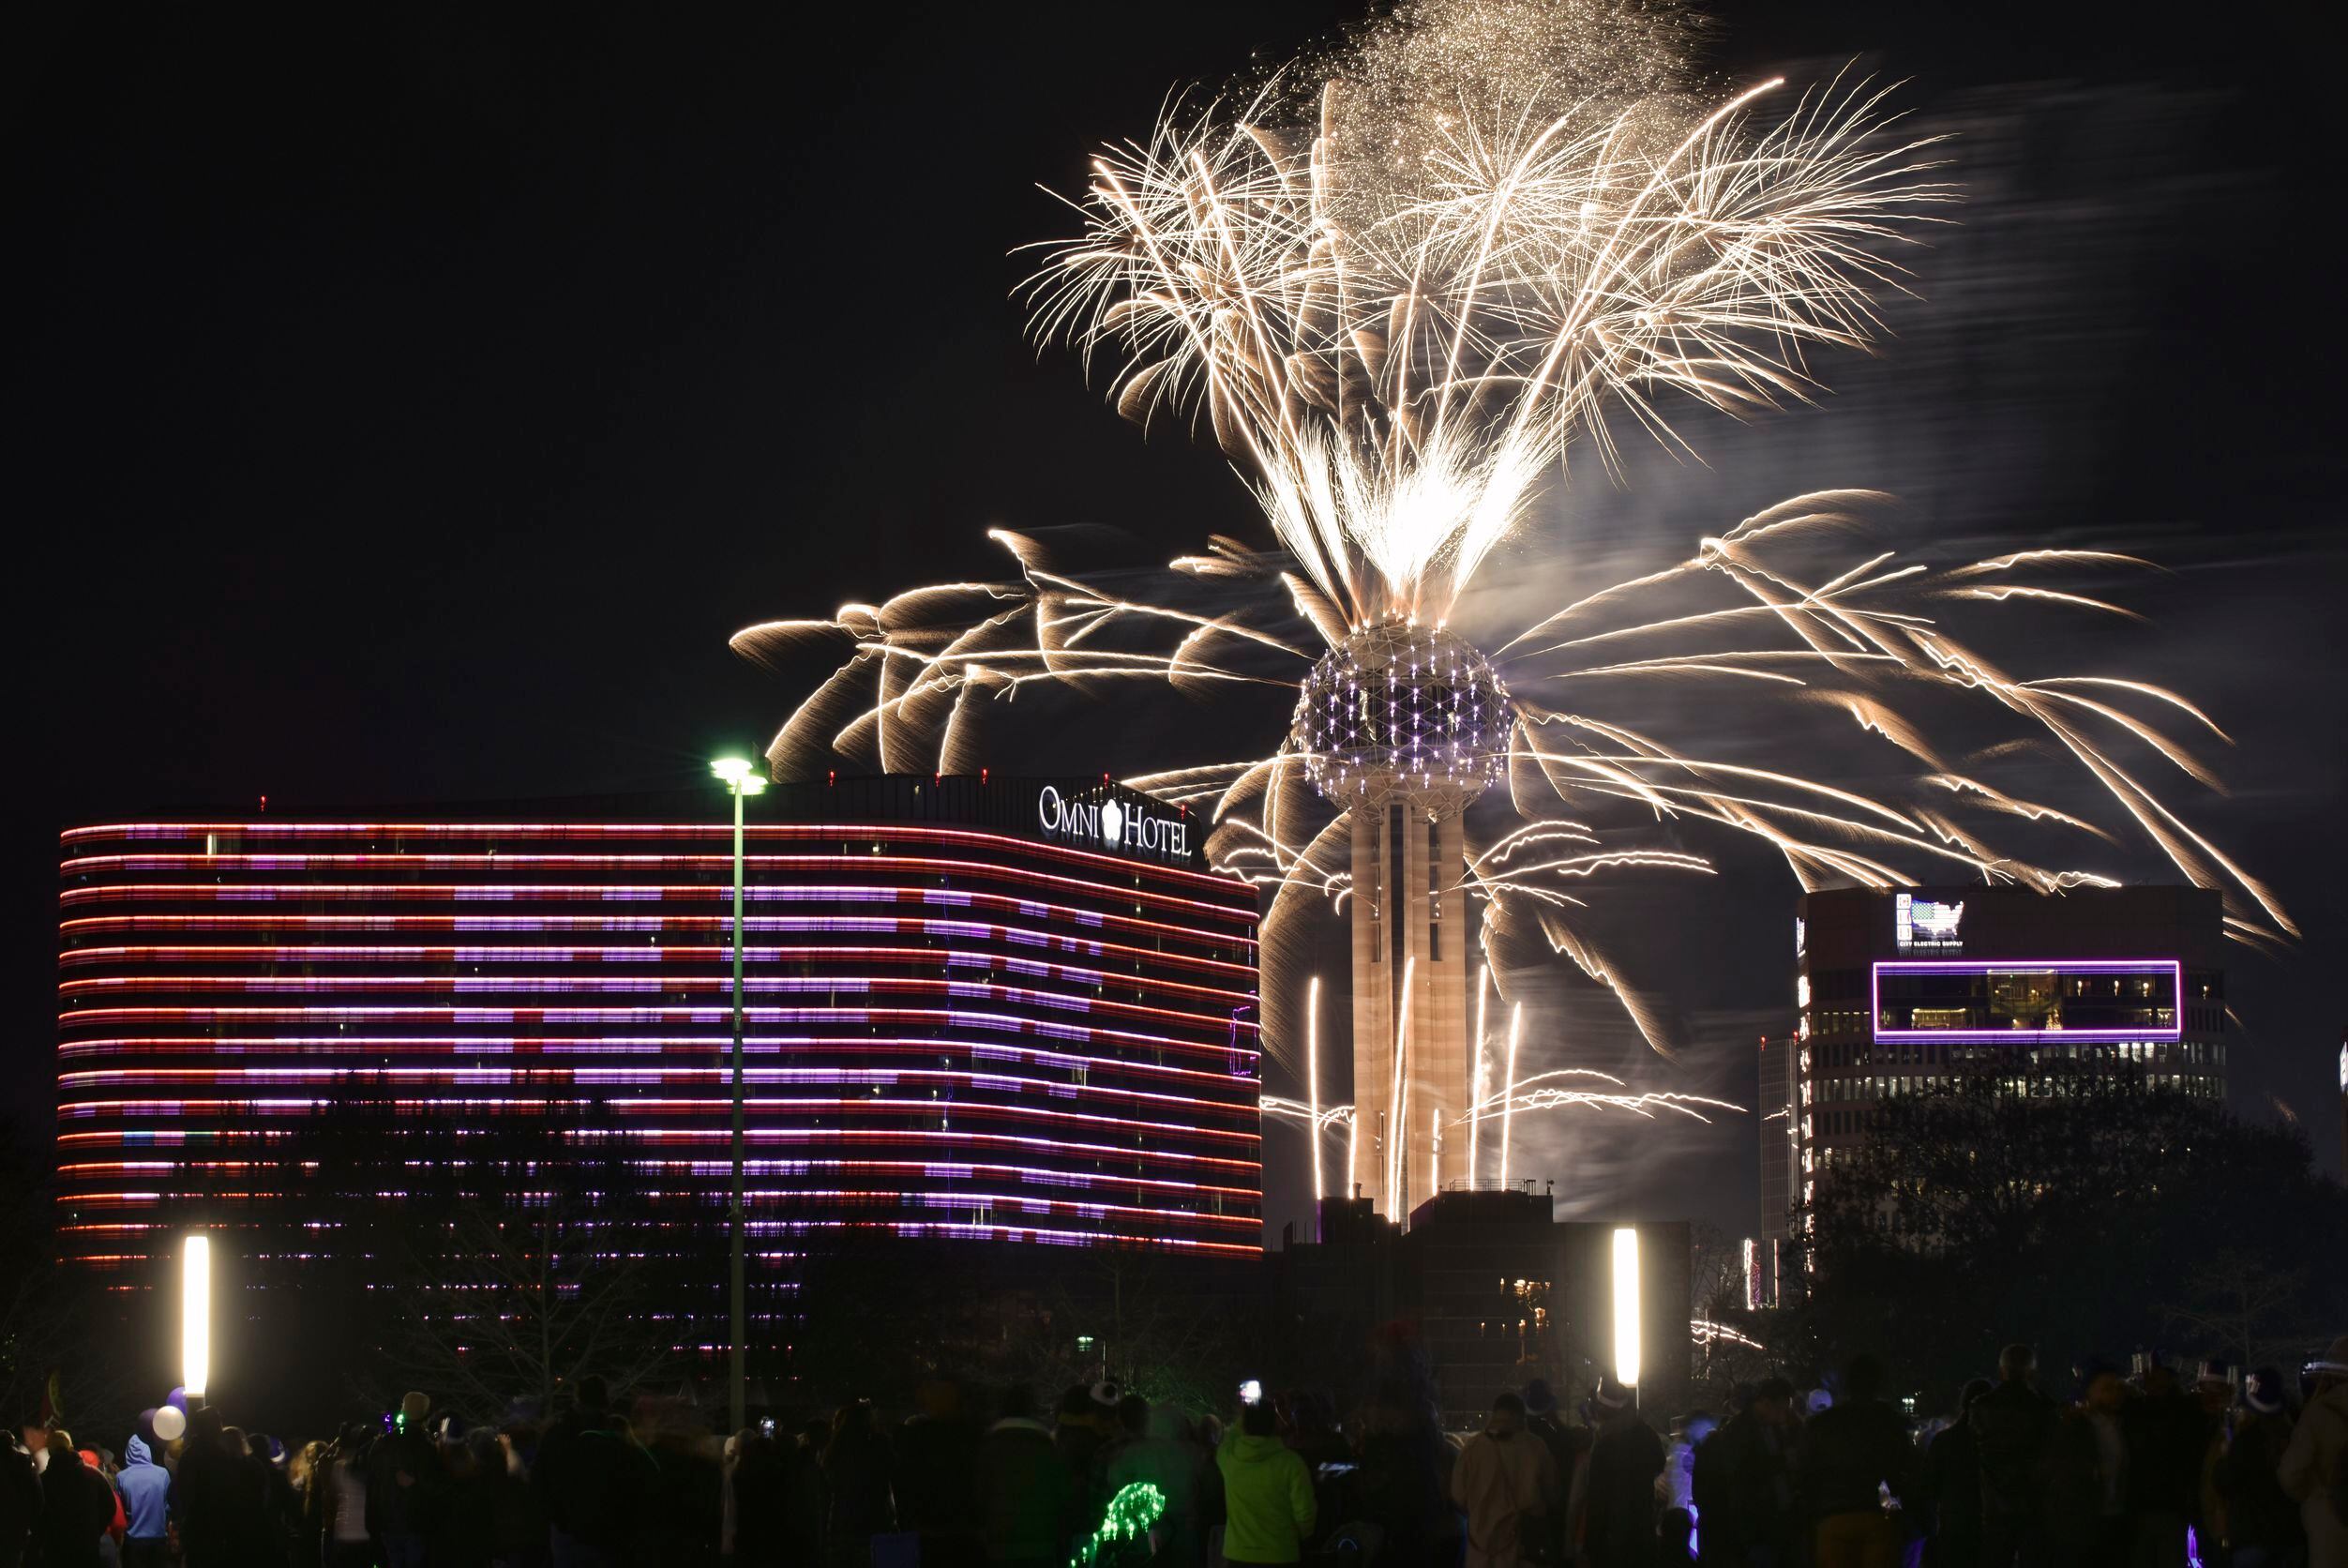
x=1408, y=291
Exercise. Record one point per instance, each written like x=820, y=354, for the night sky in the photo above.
x=406, y=407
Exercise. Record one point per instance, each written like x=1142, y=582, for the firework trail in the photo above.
x=1406, y=288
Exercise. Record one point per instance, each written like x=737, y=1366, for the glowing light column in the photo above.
x=1626, y=1306
x=195, y=1317
x=741, y=780
x=1312, y=1086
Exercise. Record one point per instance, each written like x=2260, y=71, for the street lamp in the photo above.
x=195, y=1317
x=741, y=780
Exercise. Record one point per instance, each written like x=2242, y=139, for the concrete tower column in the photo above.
x=1373, y=1004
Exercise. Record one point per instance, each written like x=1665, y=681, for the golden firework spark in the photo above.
x=1406, y=294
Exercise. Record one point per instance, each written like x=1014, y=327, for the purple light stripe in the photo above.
x=2170, y=1032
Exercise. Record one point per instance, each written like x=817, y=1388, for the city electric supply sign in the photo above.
x=1117, y=826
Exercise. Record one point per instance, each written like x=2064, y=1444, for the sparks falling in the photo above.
x=1410, y=290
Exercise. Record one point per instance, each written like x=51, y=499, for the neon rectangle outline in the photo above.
x=1990, y=966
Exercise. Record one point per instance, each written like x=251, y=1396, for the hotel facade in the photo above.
x=988, y=1010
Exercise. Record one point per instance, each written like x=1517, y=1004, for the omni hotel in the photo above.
x=999, y=1010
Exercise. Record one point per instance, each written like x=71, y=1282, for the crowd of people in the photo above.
x=2147, y=1471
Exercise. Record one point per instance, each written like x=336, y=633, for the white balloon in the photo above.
x=169, y=1425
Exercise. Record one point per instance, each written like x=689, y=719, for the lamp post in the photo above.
x=741, y=780
x=195, y=1316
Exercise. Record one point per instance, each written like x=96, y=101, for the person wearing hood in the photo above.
x=1506, y=1481
x=1025, y=1496
x=1267, y=1492
x=76, y=1508
x=2263, y=1524
x=146, y=1490
x=2314, y=1469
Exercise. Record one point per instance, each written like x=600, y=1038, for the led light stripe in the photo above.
x=720, y=925
x=956, y=1197
x=714, y=832
x=452, y=893
x=714, y=1017
x=936, y=1169
x=720, y=867
x=861, y=1106
x=664, y=1074
x=1204, y=1085
x=648, y=984
x=2136, y=968
x=1010, y=1232
x=641, y=955
x=715, y=1134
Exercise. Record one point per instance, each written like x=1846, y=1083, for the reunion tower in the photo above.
x=1403, y=726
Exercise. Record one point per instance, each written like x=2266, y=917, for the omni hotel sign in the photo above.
x=1126, y=827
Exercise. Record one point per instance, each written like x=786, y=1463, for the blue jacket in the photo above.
x=146, y=1489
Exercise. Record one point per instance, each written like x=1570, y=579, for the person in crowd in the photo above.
x=2213, y=1392
x=1708, y=1488
x=1078, y=1438
x=593, y=1479
x=1753, y=1522
x=2166, y=1431
x=307, y=1473
x=1626, y=1456
x=216, y=1496
x=1569, y=1450
x=686, y=1497
x=405, y=1486
x=473, y=1465
x=1850, y=1451
x=808, y=1496
x=19, y=1501
x=517, y=1518
x=2262, y=1526
x=1949, y=1487
x=341, y=1506
x=100, y=1463
x=1025, y=1496
x=936, y=1469
x=145, y=1489
x=756, y=1490
x=2314, y=1465
x=1506, y=1482
x=76, y=1507
x=1268, y=1505
x=1678, y=1489
x=1158, y=1449
x=2086, y=1476
x=1406, y=1462
x=280, y=1508
x=2012, y=1424
x=856, y=1466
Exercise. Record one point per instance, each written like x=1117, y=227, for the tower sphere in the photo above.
x=1399, y=712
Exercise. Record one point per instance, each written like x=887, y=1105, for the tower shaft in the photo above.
x=1410, y=930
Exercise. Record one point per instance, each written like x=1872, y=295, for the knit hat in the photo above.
x=2261, y=1391
x=416, y=1406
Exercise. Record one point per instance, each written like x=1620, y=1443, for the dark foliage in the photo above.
x=2091, y=1217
